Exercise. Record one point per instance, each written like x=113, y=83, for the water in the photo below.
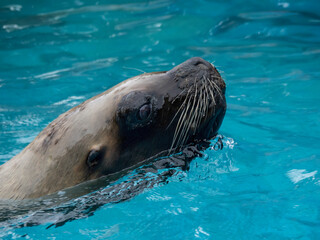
x=264, y=183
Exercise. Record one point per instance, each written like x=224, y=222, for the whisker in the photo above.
x=179, y=95
x=197, y=112
x=193, y=109
x=221, y=71
x=207, y=97
x=192, y=118
x=211, y=93
x=203, y=110
x=186, y=128
x=179, y=125
x=203, y=106
x=180, y=122
x=217, y=88
x=182, y=105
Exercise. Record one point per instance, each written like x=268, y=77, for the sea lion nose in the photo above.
x=199, y=62
x=192, y=71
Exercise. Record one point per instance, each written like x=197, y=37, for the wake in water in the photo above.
x=83, y=200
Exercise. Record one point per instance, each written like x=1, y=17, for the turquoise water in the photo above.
x=263, y=184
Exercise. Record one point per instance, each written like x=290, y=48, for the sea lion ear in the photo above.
x=95, y=156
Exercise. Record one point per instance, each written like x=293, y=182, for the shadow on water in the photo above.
x=84, y=199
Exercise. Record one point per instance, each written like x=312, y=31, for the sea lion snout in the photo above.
x=194, y=71
x=199, y=62
x=202, y=99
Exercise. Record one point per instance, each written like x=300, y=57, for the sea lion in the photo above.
x=132, y=121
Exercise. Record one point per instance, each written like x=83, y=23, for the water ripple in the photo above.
x=78, y=68
x=51, y=18
x=154, y=21
x=71, y=101
x=11, y=7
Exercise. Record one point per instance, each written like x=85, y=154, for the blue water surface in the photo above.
x=264, y=183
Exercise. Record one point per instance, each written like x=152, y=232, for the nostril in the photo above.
x=201, y=65
x=199, y=62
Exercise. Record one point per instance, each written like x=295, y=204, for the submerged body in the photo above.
x=131, y=122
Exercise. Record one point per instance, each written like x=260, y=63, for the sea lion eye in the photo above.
x=95, y=157
x=145, y=111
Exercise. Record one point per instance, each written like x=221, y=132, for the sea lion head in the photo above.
x=166, y=110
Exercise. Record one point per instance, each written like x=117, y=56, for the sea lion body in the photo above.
x=122, y=126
